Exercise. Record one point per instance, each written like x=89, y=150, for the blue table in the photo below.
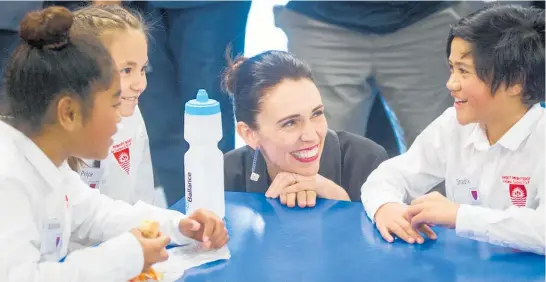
x=335, y=241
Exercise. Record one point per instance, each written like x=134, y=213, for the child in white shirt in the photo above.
x=63, y=92
x=126, y=174
x=489, y=148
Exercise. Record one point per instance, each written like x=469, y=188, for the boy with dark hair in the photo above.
x=489, y=147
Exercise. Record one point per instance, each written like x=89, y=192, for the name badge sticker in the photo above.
x=474, y=196
x=52, y=237
x=91, y=176
x=467, y=191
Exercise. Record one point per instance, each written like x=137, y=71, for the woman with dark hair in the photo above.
x=489, y=147
x=291, y=153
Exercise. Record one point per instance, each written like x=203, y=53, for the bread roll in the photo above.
x=149, y=229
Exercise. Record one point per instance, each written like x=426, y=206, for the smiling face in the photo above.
x=129, y=49
x=291, y=128
x=474, y=101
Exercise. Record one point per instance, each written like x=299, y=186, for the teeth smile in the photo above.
x=307, y=154
x=460, y=101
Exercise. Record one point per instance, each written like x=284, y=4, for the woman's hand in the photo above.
x=281, y=181
x=284, y=180
x=323, y=187
x=292, y=188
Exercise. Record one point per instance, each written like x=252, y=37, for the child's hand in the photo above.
x=154, y=249
x=433, y=208
x=206, y=227
x=391, y=218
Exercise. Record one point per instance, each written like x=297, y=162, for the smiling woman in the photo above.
x=291, y=153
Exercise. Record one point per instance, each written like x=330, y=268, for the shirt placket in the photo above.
x=488, y=174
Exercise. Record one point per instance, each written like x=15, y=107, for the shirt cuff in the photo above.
x=130, y=254
x=176, y=236
x=371, y=206
x=469, y=223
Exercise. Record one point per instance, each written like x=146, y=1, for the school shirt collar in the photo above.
x=522, y=129
x=35, y=156
x=513, y=138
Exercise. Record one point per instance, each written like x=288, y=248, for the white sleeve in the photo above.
x=20, y=258
x=144, y=188
x=99, y=218
x=515, y=227
x=520, y=228
x=411, y=174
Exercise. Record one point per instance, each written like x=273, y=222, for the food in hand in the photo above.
x=149, y=229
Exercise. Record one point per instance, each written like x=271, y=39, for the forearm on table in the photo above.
x=105, y=218
x=335, y=192
x=520, y=228
x=375, y=196
x=169, y=222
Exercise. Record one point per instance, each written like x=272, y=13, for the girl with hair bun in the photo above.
x=63, y=92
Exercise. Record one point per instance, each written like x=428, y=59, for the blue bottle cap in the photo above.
x=202, y=105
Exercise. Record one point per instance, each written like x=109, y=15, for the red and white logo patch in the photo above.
x=122, y=154
x=518, y=195
x=124, y=159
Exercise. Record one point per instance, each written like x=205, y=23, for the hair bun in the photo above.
x=47, y=28
x=230, y=75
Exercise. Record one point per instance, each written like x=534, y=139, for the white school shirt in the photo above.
x=126, y=174
x=44, y=207
x=500, y=187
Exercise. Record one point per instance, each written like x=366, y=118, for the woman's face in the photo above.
x=291, y=127
x=129, y=49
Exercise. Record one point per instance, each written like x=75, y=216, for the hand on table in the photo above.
x=391, y=218
x=154, y=249
x=206, y=227
x=304, y=190
x=283, y=180
x=433, y=209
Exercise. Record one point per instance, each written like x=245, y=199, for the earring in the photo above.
x=254, y=176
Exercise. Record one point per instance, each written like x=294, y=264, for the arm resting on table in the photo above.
x=411, y=174
x=98, y=218
x=520, y=228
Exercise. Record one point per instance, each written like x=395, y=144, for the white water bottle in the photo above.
x=204, y=162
